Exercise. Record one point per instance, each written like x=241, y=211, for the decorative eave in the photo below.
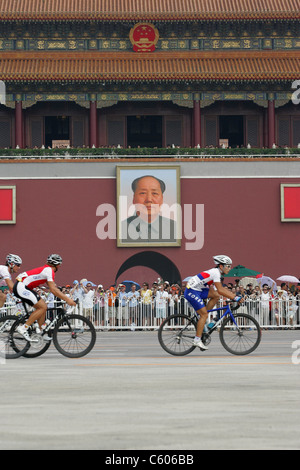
x=151, y=10
x=94, y=67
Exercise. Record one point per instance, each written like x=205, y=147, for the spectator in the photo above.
x=146, y=304
x=133, y=297
x=99, y=302
x=253, y=301
x=122, y=307
x=161, y=302
x=265, y=297
x=291, y=308
x=167, y=286
x=173, y=300
x=240, y=290
x=51, y=306
x=99, y=305
x=77, y=291
x=88, y=301
x=279, y=308
x=111, y=296
x=249, y=289
x=154, y=288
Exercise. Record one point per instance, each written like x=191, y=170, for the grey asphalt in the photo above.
x=128, y=394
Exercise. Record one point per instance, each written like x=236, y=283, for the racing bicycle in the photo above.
x=240, y=333
x=73, y=335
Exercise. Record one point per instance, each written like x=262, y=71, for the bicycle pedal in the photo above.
x=36, y=341
x=206, y=339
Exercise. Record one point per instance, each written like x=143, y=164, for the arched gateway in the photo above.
x=156, y=261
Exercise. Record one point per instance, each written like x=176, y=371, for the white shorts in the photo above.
x=26, y=295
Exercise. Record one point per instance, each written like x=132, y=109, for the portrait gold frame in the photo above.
x=171, y=173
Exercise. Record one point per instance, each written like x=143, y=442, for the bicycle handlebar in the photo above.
x=234, y=302
x=61, y=301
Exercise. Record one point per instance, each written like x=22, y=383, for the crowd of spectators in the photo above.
x=148, y=304
x=279, y=304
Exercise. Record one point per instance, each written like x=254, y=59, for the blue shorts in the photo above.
x=195, y=297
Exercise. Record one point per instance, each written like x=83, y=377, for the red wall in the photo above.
x=242, y=219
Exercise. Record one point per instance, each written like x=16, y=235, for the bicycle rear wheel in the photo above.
x=176, y=334
x=74, y=336
x=12, y=344
x=242, y=336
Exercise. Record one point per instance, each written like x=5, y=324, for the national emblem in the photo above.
x=143, y=37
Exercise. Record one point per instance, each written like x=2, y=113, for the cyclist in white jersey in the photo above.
x=13, y=263
x=201, y=287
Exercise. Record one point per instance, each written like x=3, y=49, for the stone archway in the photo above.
x=160, y=263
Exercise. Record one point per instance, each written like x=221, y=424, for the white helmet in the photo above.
x=12, y=260
x=54, y=259
x=222, y=259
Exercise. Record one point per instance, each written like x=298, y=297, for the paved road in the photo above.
x=129, y=394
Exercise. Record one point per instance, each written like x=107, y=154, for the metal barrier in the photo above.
x=273, y=314
x=277, y=313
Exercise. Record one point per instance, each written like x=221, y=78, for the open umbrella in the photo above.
x=265, y=280
x=287, y=278
x=85, y=282
x=248, y=280
x=262, y=279
x=241, y=271
x=128, y=285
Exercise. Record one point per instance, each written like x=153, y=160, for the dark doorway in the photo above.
x=144, y=131
x=156, y=261
x=56, y=128
x=232, y=128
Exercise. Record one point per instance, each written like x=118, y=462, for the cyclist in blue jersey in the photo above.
x=208, y=285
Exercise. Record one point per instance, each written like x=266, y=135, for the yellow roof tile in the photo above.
x=198, y=66
x=128, y=10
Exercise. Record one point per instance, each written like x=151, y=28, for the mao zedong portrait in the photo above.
x=148, y=224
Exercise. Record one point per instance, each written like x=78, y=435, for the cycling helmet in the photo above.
x=12, y=260
x=222, y=259
x=54, y=259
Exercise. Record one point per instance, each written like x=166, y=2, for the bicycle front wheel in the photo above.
x=176, y=334
x=74, y=336
x=12, y=344
x=241, y=336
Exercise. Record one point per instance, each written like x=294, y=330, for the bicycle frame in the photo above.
x=51, y=326
x=227, y=312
